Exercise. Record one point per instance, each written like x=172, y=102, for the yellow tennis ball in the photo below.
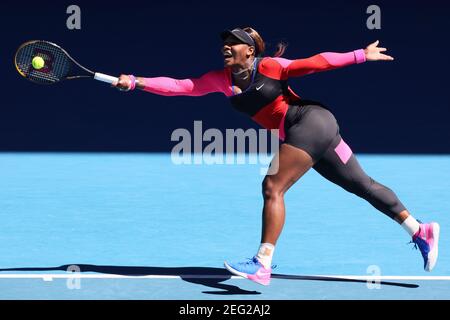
x=38, y=63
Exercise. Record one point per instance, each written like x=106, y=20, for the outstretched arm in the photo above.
x=323, y=62
x=213, y=81
x=330, y=60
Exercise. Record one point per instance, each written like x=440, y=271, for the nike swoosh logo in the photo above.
x=257, y=88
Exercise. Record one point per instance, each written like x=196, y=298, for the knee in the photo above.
x=361, y=187
x=374, y=191
x=385, y=196
x=271, y=190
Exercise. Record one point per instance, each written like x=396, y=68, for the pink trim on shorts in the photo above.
x=281, y=132
x=343, y=151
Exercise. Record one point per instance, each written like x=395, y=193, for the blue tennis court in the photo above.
x=137, y=226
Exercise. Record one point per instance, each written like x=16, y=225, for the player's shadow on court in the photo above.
x=207, y=276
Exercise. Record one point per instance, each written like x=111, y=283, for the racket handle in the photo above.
x=105, y=78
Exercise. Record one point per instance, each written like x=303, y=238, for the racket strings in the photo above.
x=57, y=64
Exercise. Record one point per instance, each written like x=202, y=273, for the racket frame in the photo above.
x=90, y=74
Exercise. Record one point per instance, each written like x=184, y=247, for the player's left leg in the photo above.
x=340, y=166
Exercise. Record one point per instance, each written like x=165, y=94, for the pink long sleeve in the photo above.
x=320, y=62
x=344, y=59
x=213, y=81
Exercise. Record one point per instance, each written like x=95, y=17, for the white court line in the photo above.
x=74, y=275
x=440, y=278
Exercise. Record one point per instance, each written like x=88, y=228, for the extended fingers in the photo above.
x=374, y=44
x=386, y=57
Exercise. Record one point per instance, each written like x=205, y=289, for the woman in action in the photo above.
x=258, y=87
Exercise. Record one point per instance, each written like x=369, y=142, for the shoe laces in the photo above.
x=415, y=245
x=412, y=241
x=250, y=261
x=255, y=260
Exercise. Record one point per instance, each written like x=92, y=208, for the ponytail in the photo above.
x=281, y=48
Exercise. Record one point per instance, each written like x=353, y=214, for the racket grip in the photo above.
x=105, y=78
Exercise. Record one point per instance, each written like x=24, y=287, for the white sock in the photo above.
x=411, y=225
x=265, y=254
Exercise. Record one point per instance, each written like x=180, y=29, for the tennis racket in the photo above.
x=58, y=64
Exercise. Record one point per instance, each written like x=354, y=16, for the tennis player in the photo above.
x=257, y=85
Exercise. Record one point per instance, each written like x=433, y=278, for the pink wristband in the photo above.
x=133, y=82
x=360, y=56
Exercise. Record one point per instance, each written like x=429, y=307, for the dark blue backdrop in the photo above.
x=389, y=107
